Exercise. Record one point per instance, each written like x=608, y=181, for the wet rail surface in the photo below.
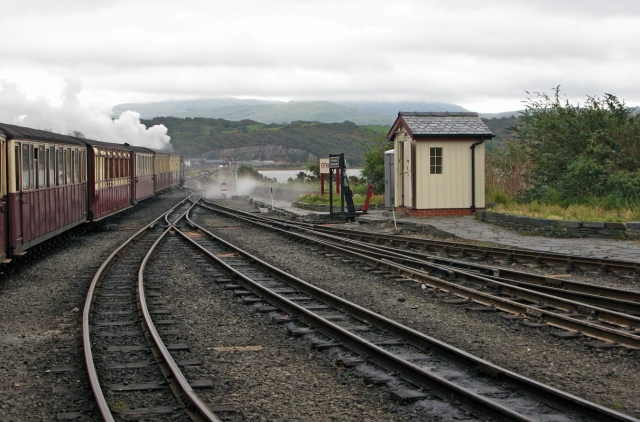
x=421, y=367
x=575, y=313
x=131, y=370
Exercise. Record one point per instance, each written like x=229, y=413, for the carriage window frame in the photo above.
x=40, y=166
x=25, y=162
x=67, y=166
x=51, y=166
x=76, y=167
x=60, y=166
x=83, y=168
x=17, y=167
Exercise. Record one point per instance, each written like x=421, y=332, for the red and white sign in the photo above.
x=324, y=165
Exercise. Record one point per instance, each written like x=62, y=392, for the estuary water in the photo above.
x=283, y=175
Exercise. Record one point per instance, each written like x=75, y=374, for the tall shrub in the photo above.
x=581, y=153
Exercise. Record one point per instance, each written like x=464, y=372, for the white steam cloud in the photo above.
x=93, y=121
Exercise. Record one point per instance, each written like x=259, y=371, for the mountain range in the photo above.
x=265, y=111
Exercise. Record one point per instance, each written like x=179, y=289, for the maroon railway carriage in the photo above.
x=43, y=187
x=167, y=166
x=143, y=183
x=161, y=170
x=176, y=167
x=110, y=170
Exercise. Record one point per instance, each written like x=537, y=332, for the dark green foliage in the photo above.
x=502, y=128
x=588, y=154
x=198, y=136
x=373, y=167
x=250, y=172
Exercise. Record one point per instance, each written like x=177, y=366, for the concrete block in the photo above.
x=617, y=226
x=633, y=225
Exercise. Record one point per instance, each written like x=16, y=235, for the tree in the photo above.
x=373, y=164
x=582, y=153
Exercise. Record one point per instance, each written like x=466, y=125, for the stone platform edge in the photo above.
x=561, y=228
x=325, y=207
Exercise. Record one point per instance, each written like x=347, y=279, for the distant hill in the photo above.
x=361, y=113
x=297, y=142
x=500, y=115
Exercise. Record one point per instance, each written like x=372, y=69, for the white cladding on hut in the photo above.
x=439, y=162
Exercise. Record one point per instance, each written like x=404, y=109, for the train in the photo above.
x=51, y=183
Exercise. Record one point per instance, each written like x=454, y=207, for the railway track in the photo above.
x=124, y=350
x=421, y=367
x=608, y=315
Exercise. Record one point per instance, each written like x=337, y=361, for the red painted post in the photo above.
x=365, y=208
x=322, y=184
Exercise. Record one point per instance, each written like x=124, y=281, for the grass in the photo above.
x=358, y=199
x=572, y=212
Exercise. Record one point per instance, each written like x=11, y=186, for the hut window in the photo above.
x=435, y=160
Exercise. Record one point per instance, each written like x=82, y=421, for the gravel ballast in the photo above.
x=41, y=361
x=256, y=368
x=605, y=376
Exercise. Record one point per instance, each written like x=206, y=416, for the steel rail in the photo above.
x=178, y=377
x=92, y=374
x=627, y=296
x=566, y=322
x=408, y=371
x=602, y=297
x=526, y=256
x=574, y=302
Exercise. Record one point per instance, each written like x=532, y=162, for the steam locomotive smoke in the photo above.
x=93, y=121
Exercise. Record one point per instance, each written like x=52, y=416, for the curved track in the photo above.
x=613, y=318
x=116, y=338
x=413, y=357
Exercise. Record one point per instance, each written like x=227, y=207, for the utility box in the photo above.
x=389, y=182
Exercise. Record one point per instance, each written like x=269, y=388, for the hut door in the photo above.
x=406, y=174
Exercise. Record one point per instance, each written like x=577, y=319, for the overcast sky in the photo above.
x=482, y=55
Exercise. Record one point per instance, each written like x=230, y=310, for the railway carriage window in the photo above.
x=435, y=160
x=83, y=169
x=17, y=166
x=26, y=180
x=76, y=167
x=51, y=155
x=67, y=159
x=42, y=167
x=99, y=168
x=60, y=167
